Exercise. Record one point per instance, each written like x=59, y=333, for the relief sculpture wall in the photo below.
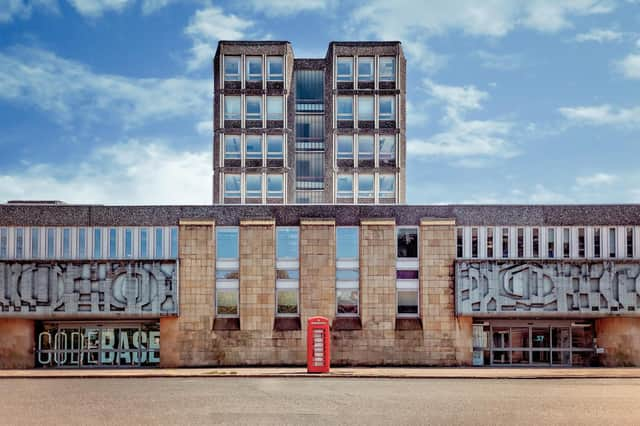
x=508, y=288
x=127, y=289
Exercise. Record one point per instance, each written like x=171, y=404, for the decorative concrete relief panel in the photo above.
x=510, y=288
x=95, y=289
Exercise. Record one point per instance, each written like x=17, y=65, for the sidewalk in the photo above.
x=386, y=372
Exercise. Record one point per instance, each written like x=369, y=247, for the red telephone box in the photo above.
x=318, y=345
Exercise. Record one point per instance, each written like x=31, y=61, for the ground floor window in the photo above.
x=121, y=344
x=534, y=343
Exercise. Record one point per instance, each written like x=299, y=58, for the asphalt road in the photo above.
x=319, y=401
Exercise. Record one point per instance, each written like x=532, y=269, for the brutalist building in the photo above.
x=309, y=219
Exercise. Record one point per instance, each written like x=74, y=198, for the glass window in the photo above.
x=520, y=242
x=629, y=242
x=581, y=242
x=66, y=243
x=254, y=108
x=51, y=243
x=474, y=242
x=254, y=68
x=97, y=243
x=159, y=247
x=232, y=108
x=566, y=242
x=365, y=108
x=460, y=242
x=535, y=240
x=387, y=148
x=35, y=240
x=275, y=68
x=82, y=243
x=128, y=243
x=113, y=243
x=254, y=147
x=345, y=69
x=274, y=108
x=597, y=243
x=274, y=186
x=287, y=241
x=407, y=242
x=612, y=242
x=345, y=108
x=345, y=147
x=232, y=186
x=345, y=186
x=174, y=243
x=274, y=147
x=365, y=69
x=387, y=186
x=4, y=243
x=231, y=147
x=232, y=68
x=489, y=242
x=365, y=147
x=551, y=242
x=387, y=108
x=408, y=302
x=365, y=186
x=287, y=301
x=19, y=243
x=254, y=186
x=346, y=242
x=227, y=243
x=347, y=300
x=388, y=69
x=144, y=243
x=505, y=242
x=227, y=299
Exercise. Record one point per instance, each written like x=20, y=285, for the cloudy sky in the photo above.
x=514, y=101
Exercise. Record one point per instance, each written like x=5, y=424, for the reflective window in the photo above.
x=408, y=301
x=551, y=242
x=597, y=243
x=274, y=147
x=365, y=147
x=254, y=108
x=254, y=68
x=345, y=69
x=612, y=242
x=274, y=108
x=227, y=243
x=581, y=242
x=345, y=147
x=19, y=243
x=82, y=243
x=275, y=68
x=629, y=233
x=535, y=242
x=474, y=242
x=459, y=242
x=520, y=242
x=174, y=243
x=387, y=69
x=274, y=186
x=253, y=147
x=66, y=243
x=566, y=242
x=97, y=243
x=365, y=69
x=113, y=243
x=232, y=147
x=387, y=148
x=128, y=243
x=232, y=68
x=407, y=242
x=4, y=243
x=345, y=186
x=489, y=242
x=365, y=186
x=232, y=108
x=387, y=186
x=309, y=90
x=35, y=242
x=387, y=108
x=505, y=242
x=144, y=243
x=254, y=186
x=232, y=186
x=345, y=108
x=287, y=243
x=347, y=242
x=51, y=243
x=365, y=108
x=159, y=244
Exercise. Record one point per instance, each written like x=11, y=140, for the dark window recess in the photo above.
x=309, y=91
x=474, y=242
x=406, y=275
x=346, y=324
x=459, y=243
x=536, y=242
x=408, y=324
x=407, y=242
x=226, y=324
x=286, y=324
x=309, y=170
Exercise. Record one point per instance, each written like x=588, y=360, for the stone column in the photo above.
x=186, y=340
x=448, y=339
x=17, y=343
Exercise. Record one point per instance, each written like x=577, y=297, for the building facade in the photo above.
x=126, y=286
x=309, y=131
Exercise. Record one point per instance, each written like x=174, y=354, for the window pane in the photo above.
x=254, y=68
x=82, y=243
x=19, y=243
x=51, y=242
x=365, y=108
x=551, y=238
x=35, y=240
x=4, y=243
x=505, y=242
x=345, y=108
x=520, y=242
x=254, y=108
x=227, y=302
x=254, y=147
x=474, y=242
x=287, y=302
x=144, y=243
x=345, y=69
x=288, y=274
x=97, y=243
x=254, y=185
x=407, y=274
x=227, y=244
x=275, y=68
x=128, y=243
x=232, y=68
x=365, y=69
x=113, y=243
x=536, y=242
x=66, y=243
x=566, y=242
x=597, y=244
x=346, y=242
x=408, y=302
x=345, y=148
x=365, y=186
x=347, y=274
x=159, y=249
x=629, y=242
x=274, y=108
x=345, y=186
x=387, y=148
x=232, y=147
x=274, y=186
x=489, y=242
x=232, y=107
x=347, y=301
x=387, y=184
x=612, y=242
x=287, y=243
x=459, y=242
x=581, y=242
x=232, y=185
x=365, y=147
x=408, y=242
x=387, y=108
x=174, y=243
x=387, y=69
x=274, y=147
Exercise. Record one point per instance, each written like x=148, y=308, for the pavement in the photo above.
x=287, y=372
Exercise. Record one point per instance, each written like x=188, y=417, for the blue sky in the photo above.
x=535, y=101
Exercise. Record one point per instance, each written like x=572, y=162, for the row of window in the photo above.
x=547, y=242
x=365, y=147
x=386, y=185
x=88, y=243
x=253, y=147
x=288, y=272
x=365, y=66
x=253, y=185
x=253, y=107
x=253, y=68
x=366, y=108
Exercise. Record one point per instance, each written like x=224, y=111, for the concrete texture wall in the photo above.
x=620, y=337
x=17, y=343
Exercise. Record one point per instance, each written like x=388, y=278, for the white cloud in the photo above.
x=132, y=172
x=205, y=127
x=22, y=9
x=96, y=8
x=597, y=179
x=288, y=7
x=602, y=115
x=501, y=62
x=599, y=35
x=457, y=99
x=70, y=91
x=630, y=66
x=207, y=27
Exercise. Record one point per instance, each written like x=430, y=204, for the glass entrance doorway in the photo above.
x=534, y=343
